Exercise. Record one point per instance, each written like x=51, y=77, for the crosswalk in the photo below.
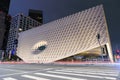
x=68, y=74
x=9, y=78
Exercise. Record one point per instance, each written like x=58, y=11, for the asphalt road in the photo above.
x=58, y=72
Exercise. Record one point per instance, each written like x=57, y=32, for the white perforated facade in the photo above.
x=65, y=37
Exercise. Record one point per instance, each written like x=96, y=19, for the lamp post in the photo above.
x=98, y=38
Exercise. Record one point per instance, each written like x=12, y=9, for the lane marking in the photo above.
x=94, y=70
x=58, y=76
x=9, y=78
x=33, y=77
x=84, y=75
x=94, y=73
x=12, y=70
x=4, y=75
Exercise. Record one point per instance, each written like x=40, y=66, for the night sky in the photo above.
x=55, y=9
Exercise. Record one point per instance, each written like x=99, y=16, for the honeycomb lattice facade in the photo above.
x=65, y=37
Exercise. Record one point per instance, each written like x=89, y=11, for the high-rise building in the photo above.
x=84, y=32
x=2, y=28
x=7, y=23
x=19, y=23
x=36, y=15
x=4, y=5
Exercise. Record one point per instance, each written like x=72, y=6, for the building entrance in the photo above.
x=96, y=54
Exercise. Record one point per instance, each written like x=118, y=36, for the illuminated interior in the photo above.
x=93, y=54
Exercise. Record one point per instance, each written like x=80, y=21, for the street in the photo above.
x=58, y=72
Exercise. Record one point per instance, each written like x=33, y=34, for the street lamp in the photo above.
x=98, y=38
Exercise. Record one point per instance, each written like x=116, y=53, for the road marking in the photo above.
x=95, y=70
x=12, y=70
x=48, y=69
x=33, y=77
x=18, y=73
x=9, y=78
x=58, y=76
x=94, y=73
x=10, y=74
x=84, y=75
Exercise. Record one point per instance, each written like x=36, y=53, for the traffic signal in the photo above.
x=117, y=51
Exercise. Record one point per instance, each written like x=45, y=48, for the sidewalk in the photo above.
x=12, y=62
x=87, y=63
